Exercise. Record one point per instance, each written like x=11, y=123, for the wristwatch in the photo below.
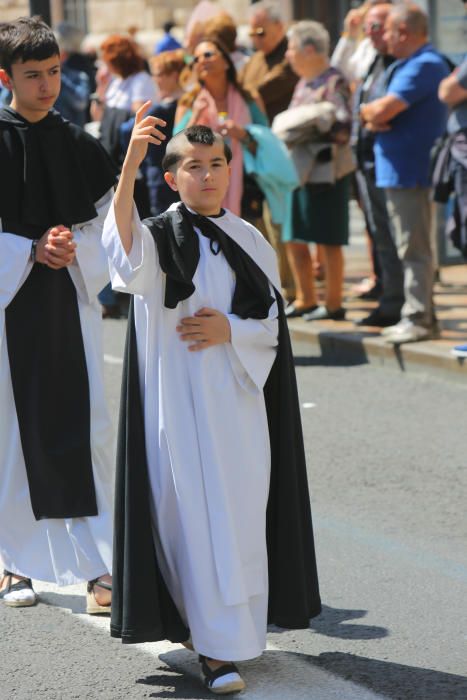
x=32, y=255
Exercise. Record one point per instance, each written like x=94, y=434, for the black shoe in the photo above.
x=372, y=294
x=321, y=313
x=292, y=311
x=376, y=318
x=224, y=681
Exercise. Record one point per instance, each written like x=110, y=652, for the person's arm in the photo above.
x=55, y=248
x=144, y=132
x=376, y=115
x=453, y=89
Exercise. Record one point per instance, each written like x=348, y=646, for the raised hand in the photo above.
x=206, y=328
x=144, y=132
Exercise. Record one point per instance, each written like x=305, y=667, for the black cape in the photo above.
x=293, y=582
x=51, y=173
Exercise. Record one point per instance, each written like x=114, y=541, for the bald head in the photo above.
x=406, y=30
x=412, y=17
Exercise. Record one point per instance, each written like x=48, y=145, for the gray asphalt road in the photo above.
x=387, y=456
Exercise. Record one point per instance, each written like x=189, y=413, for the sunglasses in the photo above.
x=375, y=26
x=206, y=55
x=260, y=32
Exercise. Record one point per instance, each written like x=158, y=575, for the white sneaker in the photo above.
x=410, y=333
x=20, y=594
x=389, y=330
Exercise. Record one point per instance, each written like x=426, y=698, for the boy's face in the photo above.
x=35, y=86
x=201, y=178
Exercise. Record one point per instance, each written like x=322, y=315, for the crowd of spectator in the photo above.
x=309, y=129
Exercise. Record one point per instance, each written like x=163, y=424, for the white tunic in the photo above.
x=63, y=551
x=207, y=440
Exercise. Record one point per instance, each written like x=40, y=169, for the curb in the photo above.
x=350, y=347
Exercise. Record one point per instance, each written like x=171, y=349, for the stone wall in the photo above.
x=11, y=9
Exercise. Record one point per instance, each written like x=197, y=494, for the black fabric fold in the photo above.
x=293, y=581
x=55, y=174
x=178, y=252
x=52, y=173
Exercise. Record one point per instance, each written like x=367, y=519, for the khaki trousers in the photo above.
x=409, y=211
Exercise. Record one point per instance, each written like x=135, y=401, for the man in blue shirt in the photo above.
x=407, y=121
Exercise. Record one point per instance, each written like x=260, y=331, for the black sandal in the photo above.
x=22, y=600
x=224, y=680
x=92, y=606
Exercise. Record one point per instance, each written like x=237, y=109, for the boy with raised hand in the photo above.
x=212, y=505
x=56, y=185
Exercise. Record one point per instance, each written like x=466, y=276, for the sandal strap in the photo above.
x=98, y=582
x=19, y=586
x=211, y=676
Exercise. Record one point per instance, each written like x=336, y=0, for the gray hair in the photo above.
x=412, y=15
x=311, y=33
x=271, y=9
x=68, y=37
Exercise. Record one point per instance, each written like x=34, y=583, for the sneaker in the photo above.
x=20, y=594
x=224, y=680
x=397, y=327
x=459, y=351
x=410, y=333
x=321, y=313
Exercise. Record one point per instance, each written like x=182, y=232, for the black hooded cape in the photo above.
x=51, y=173
x=293, y=582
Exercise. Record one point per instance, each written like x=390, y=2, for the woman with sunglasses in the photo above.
x=219, y=102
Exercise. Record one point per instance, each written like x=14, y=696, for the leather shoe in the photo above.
x=376, y=318
x=292, y=311
x=321, y=313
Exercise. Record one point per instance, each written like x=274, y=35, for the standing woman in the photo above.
x=319, y=212
x=219, y=102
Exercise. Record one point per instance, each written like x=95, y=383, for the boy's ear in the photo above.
x=5, y=79
x=169, y=177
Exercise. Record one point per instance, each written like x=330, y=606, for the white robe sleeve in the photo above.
x=89, y=270
x=252, y=349
x=15, y=265
x=136, y=272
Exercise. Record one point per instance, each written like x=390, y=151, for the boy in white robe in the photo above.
x=55, y=440
x=203, y=334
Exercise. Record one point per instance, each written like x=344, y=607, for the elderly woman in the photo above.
x=319, y=210
x=219, y=102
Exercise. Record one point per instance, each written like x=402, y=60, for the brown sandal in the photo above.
x=92, y=606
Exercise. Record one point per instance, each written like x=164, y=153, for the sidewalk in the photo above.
x=344, y=342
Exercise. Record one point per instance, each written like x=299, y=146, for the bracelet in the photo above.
x=32, y=255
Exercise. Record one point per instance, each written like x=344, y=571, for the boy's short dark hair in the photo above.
x=26, y=39
x=203, y=135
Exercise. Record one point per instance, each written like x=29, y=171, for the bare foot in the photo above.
x=102, y=595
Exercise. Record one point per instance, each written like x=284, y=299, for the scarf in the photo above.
x=238, y=112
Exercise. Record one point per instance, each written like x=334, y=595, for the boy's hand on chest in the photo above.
x=206, y=328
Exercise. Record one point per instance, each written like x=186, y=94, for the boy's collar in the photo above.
x=209, y=216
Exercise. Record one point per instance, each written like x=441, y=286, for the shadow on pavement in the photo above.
x=395, y=681
x=333, y=622
x=176, y=684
